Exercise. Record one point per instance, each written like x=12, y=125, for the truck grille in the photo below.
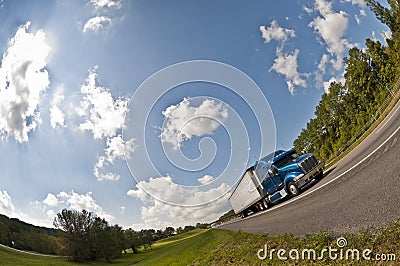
x=308, y=164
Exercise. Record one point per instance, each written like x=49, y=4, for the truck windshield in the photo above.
x=289, y=158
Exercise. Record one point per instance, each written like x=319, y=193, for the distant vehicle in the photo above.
x=273, y=178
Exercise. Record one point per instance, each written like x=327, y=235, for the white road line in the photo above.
x=330, y=181
x=390, y=117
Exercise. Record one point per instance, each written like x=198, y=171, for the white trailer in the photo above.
x=248, y=193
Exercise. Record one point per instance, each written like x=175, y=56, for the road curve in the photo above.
x=360, y=191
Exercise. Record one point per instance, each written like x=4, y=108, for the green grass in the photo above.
x=11, y=257
x=221, y=247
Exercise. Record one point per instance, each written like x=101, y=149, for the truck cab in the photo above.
x=286, y=173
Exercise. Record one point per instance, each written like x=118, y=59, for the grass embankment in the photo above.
x=220, y=247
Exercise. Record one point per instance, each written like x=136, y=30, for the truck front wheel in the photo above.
x=293, y=189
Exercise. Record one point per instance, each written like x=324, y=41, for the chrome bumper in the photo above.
x=310, y=175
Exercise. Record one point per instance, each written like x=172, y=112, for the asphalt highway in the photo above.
x=360, y=191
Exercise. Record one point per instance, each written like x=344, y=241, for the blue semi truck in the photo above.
x=273, y=178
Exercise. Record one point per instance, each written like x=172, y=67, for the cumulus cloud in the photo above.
x=286, y=65
x=205, y=179
x=100, y=4
x=117, y=148
x=72, y=200
x=321, y=70
x=331, y=27
x=183, y=121
x=104, y=15
x=97, y=23
x=361, y=3
x=276, y=32
x=215, y=203
x=6, y=205
x=104, y=115
x=57, y=117
x=23, y=79
x=51, y=200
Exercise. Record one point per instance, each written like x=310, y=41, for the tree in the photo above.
x=389, y=16
x=169, y=231
x=105, y=240
x=133, y=240
x=76, y=227
x=5, y=234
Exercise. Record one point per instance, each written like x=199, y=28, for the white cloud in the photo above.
x=7, y=208
x=51, y=214
x=331, y=27
x=100, y=4
x=321, y=69
x=276, y=32
x=86, y=202
x=51, y=200
x=327, y=84
x=322, y=63
x=183, y=121
x=117, y=148
x=286, y=65
x=357, y=18
x=97, y=23
x=205, y=179
x=57, y=117
x=23, y=79
x=103, y=176
x=386, y=35
x=6, y=205
x=215, y=203
x=308, y=9
x=80, y=202
x=361, y=3
x=325, y=8
x=104, y=115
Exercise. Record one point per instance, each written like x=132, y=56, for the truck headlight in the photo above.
x=298, y=177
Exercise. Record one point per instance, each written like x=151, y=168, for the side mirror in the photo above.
x=273, y=170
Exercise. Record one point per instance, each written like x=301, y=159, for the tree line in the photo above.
x=20, y=235
x=86, y=237
x=346, y=108
x=82, y=236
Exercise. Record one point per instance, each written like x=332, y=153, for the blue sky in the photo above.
x=147, y=112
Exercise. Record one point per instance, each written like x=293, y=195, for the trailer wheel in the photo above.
x=265, y=203
x=293, y=189
x=244, y=214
